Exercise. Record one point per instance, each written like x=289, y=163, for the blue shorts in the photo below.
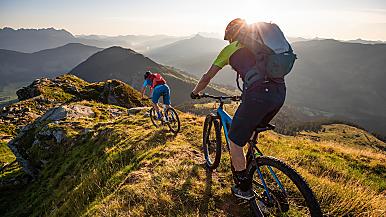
x=161, y=90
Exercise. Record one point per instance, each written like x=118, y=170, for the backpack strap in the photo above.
x=237, y=82
x=253, y=76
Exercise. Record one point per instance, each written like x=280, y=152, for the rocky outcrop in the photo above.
x=69, y=88
x=33, y=89
x=32, y=124
x=39, y=141
x=113, y=92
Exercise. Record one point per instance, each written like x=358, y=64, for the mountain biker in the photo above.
x=158, y=88
x=260, y=101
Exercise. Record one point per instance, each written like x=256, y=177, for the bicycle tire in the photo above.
x=172, y=110
x=211, y=122
x=153, y=114
x=309, y=197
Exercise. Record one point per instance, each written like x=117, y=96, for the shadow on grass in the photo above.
x=161, y=136
x=208, y=191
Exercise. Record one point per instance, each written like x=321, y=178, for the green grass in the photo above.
x=6, y=155
x=125, y=166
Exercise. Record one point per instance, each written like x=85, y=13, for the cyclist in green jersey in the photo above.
x=260, y=101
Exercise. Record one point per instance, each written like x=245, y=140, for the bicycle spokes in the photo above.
x=211, y=143
x=172, y=120
x=277, y=194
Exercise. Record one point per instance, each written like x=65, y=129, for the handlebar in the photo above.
x=233, y=98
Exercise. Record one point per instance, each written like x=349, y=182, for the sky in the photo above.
x=339, y=19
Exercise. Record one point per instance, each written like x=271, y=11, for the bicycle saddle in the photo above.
x=264, y=127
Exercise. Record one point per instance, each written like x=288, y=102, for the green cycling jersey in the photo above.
x=223, y=58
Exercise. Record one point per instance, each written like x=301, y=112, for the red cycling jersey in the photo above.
x=157, y=79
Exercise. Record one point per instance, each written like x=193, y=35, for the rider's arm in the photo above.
x=143, y=91
x=145, y=84
x=221, y=61
x=205, y=79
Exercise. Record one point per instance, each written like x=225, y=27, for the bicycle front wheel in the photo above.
x=154, y=118
x=211, y=143
x=173, y=120
x=281, y=191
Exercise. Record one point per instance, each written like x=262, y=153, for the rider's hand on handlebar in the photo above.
x=195, y=96
x=236, y=98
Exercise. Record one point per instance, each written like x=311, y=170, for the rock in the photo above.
x=67, y=111
x=45, y=132
x=29, y=92
x=10, y=116
x=59, y=135
x=86, y=130
x=54, y=114
x=26, y=128
x=116, y=112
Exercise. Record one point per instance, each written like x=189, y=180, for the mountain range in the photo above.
x=33, y=40
x=331, y=77
x=18, y=67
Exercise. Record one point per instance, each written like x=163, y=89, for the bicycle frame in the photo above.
x=226, y=120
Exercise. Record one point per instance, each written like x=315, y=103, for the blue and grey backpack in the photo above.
x=267, y=38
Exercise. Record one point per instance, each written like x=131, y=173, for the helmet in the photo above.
x=233, y=28
x=147, y=74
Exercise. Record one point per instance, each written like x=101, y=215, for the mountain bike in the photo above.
x=169, y=118
x=279, y=190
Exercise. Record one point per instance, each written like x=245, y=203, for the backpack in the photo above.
x=157, y=79
x=267, y=38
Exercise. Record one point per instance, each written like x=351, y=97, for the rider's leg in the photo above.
x=166, y=99
x=241, y=177
x=154, y=99
x=156, y=108
x=166, y=95
x=256, y=105
x=237, y=156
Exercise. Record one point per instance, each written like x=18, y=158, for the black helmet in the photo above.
x=233, y=29
x=146, y=75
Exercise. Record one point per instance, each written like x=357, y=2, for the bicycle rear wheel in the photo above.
x=292, y=197
x=211, y=143
x=173, y=120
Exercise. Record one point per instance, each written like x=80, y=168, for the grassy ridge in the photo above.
x=124, y=166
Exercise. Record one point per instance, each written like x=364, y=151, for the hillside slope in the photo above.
x=342, y=78
x=127, y=167
x=129, y=66
x=107, y=162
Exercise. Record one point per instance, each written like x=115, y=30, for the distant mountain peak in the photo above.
x=198, y=36
x=119, y=49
